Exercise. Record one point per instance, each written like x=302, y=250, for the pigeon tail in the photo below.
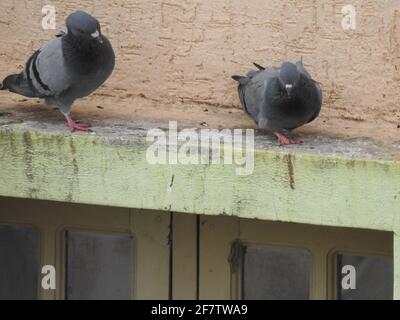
x=17, y=83
x=3, y=85
x=7, y=80
x=241, y=79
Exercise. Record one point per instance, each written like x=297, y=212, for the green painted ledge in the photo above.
x=341, y=187
x=302, y=188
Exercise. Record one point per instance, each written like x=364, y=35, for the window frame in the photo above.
x=148, y=230
x=319, y=240
x=62, y=233
x=277, y=245
x=40, y=253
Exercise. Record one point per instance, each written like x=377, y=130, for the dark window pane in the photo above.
x=99, y=266
x=373, y=277
x=275, y=273
x=19, y=251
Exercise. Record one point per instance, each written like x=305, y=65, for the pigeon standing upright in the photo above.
x=280, y=99
x=69, y=67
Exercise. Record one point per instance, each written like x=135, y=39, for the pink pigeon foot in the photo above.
x=283, y=141
x=76, y=127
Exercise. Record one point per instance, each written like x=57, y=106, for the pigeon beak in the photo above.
x=97, y=35
x=289, y=88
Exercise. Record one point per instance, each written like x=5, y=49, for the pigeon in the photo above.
x=71, y=66
x=280, y=99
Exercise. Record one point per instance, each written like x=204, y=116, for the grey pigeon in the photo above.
x=71, y=66
x=280, y=99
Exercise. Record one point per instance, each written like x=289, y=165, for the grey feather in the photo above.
x=52, y=71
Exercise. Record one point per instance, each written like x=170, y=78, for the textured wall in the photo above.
x=187, y=50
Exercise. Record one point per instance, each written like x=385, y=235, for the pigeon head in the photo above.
x=290, y=76
x=84, y=27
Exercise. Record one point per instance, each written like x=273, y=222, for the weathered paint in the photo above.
x=302, y=188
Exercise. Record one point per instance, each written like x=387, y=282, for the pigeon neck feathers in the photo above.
x=83, y=46
x=280, y=92
x=82, y=57
x=275, y=92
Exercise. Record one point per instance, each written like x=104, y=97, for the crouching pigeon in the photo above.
x=69, y=67
x=280, y=99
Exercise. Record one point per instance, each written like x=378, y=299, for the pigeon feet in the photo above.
x=73, y=126
x=78, y=127
x=283, y=141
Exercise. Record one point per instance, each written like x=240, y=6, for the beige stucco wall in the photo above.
x=173, y=50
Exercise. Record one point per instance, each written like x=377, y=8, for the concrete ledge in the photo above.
x=324, y=182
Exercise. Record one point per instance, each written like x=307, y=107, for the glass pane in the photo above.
x=365, y=277
x=19, y=251
x=275, y=273
x=99, y=266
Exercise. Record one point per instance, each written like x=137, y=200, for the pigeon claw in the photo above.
x=73, y=126
x=78, y=127
x=295, y=142
x=283, y=141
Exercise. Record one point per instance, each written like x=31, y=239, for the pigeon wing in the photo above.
x=254, y=92
x=302, y=70
x=318, y=103
x=49, y=74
